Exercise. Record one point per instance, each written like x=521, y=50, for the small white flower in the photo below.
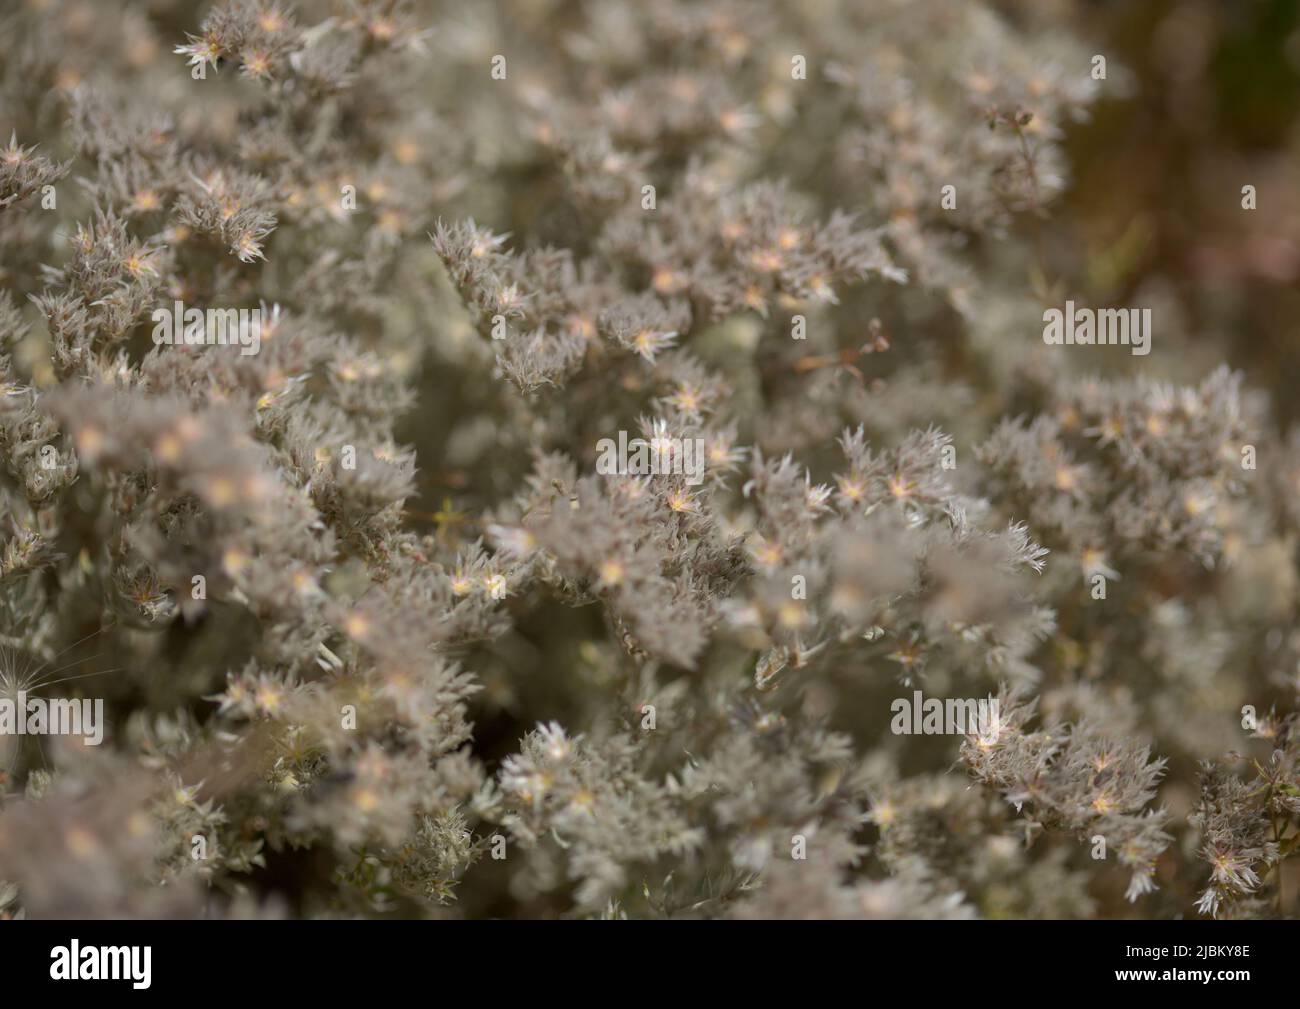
x=200, y=51
x=513, y=540
x=554, y=742
x=815, y=497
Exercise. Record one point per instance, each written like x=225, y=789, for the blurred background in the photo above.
x=1154, y=209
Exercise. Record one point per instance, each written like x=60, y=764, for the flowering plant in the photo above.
x=378, y=626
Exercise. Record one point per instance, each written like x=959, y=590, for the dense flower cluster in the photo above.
x=325, y=588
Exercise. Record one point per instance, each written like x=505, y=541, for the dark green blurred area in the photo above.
x=1154, y=210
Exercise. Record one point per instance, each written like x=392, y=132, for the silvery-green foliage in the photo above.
x=368, y=617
